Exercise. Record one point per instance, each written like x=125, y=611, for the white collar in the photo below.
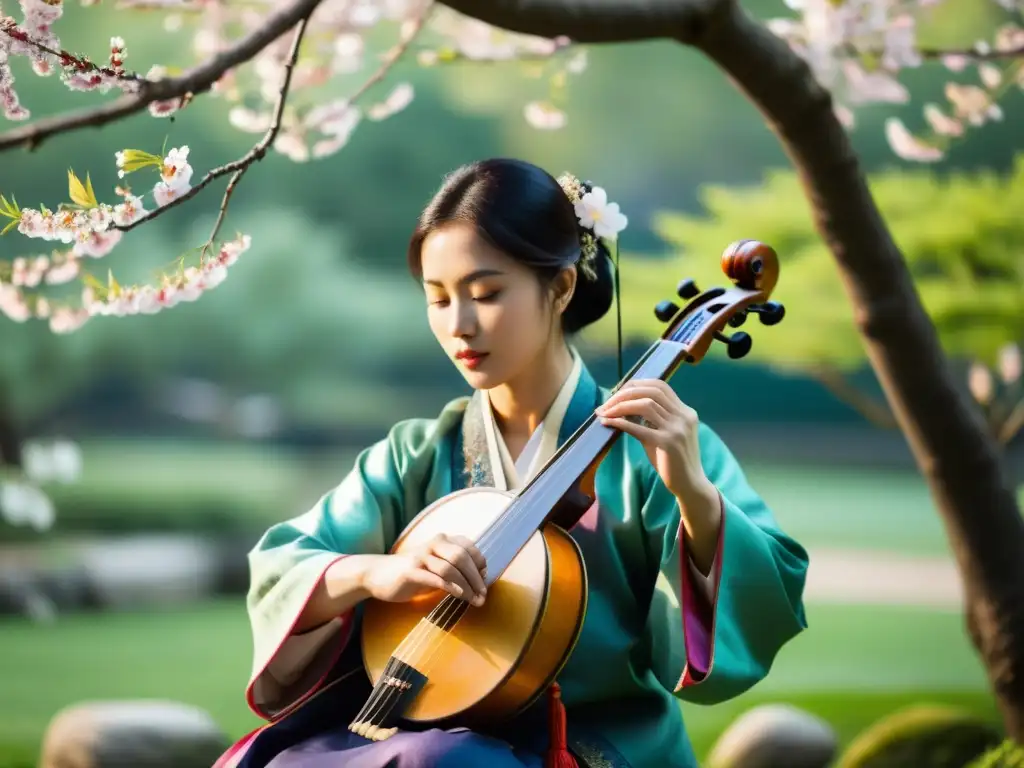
x=511, y=475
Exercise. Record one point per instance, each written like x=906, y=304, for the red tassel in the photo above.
x=558, y=755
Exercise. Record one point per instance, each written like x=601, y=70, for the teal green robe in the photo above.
x=632, y=664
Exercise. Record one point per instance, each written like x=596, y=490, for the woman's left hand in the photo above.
x=669, y=435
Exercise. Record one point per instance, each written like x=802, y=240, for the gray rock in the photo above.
x=22, y=594
x=148, y=570
x=233, y=563
x=69, y=588
x=132, y=734
x=775, y=736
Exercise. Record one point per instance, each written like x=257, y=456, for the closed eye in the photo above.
x=488, y=297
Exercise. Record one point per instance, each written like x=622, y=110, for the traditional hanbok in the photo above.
x=656, y=631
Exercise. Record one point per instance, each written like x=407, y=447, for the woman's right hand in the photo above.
x=449, y=563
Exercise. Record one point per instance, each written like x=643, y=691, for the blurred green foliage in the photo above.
x=961, y=236
x=1006, y=755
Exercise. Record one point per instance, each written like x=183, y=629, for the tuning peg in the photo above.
x=737, y=345
x=770, y=313
x=687, y=289
x=665, y=311
x=738, y=319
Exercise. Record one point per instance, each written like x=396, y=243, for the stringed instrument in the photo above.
x=438, y=660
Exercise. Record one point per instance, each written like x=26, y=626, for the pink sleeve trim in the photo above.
x=698, y=616
x=344, y=636
x=236, y=751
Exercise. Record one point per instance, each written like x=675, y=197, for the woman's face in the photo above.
x=488, y=312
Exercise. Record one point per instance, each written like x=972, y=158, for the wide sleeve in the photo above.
x=709, y=645
x=360, y=516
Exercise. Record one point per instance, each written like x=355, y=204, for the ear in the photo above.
x=563, y=287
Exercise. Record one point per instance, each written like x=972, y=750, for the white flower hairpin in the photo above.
x=597, y=218
x=595, y=213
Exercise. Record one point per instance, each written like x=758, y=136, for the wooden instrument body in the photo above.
x=501, y=656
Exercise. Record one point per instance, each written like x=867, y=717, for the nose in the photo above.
x=462, y=320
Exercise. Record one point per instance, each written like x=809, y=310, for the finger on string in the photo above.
x=648, y=409
x=640, y=432
x=463, y=561
x=451, y=575
x=638, y=392
x=670, y=398
x=466, y=586
x=474, y=552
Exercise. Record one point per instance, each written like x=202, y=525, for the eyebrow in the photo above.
x=472, y=277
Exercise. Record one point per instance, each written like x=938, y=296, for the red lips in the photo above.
x=470, y=358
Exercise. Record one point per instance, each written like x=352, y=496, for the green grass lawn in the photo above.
x=854, y=665
x=852, y=508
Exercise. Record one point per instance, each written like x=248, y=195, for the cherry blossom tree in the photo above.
x=807, y=74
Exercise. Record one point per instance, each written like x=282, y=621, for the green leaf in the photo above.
x=91, y=281
x=112, y=285
x=9, y=209
x=79, y=193
x=135, y=159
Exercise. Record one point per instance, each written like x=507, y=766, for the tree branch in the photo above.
x=970, y=53
x=1013, y=424
x=195, y=81
x=10, y=436
x=241, y=165
x=66, y=58
x=591, y=21
x=868, y=407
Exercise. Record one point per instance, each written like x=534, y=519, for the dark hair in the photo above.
x=523, y=211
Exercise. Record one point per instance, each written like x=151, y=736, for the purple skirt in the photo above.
x=316, y=735
x=456, y=748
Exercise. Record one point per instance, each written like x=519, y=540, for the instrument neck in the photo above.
x=533, y=504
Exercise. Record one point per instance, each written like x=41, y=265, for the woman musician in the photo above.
x=693, y=588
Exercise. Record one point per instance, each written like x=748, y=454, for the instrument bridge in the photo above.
x=391, y=696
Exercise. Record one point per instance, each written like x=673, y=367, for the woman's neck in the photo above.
x=521, y=404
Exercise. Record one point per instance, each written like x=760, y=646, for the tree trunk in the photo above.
x=10, y=435
x=952, y=447
x=950, y=441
